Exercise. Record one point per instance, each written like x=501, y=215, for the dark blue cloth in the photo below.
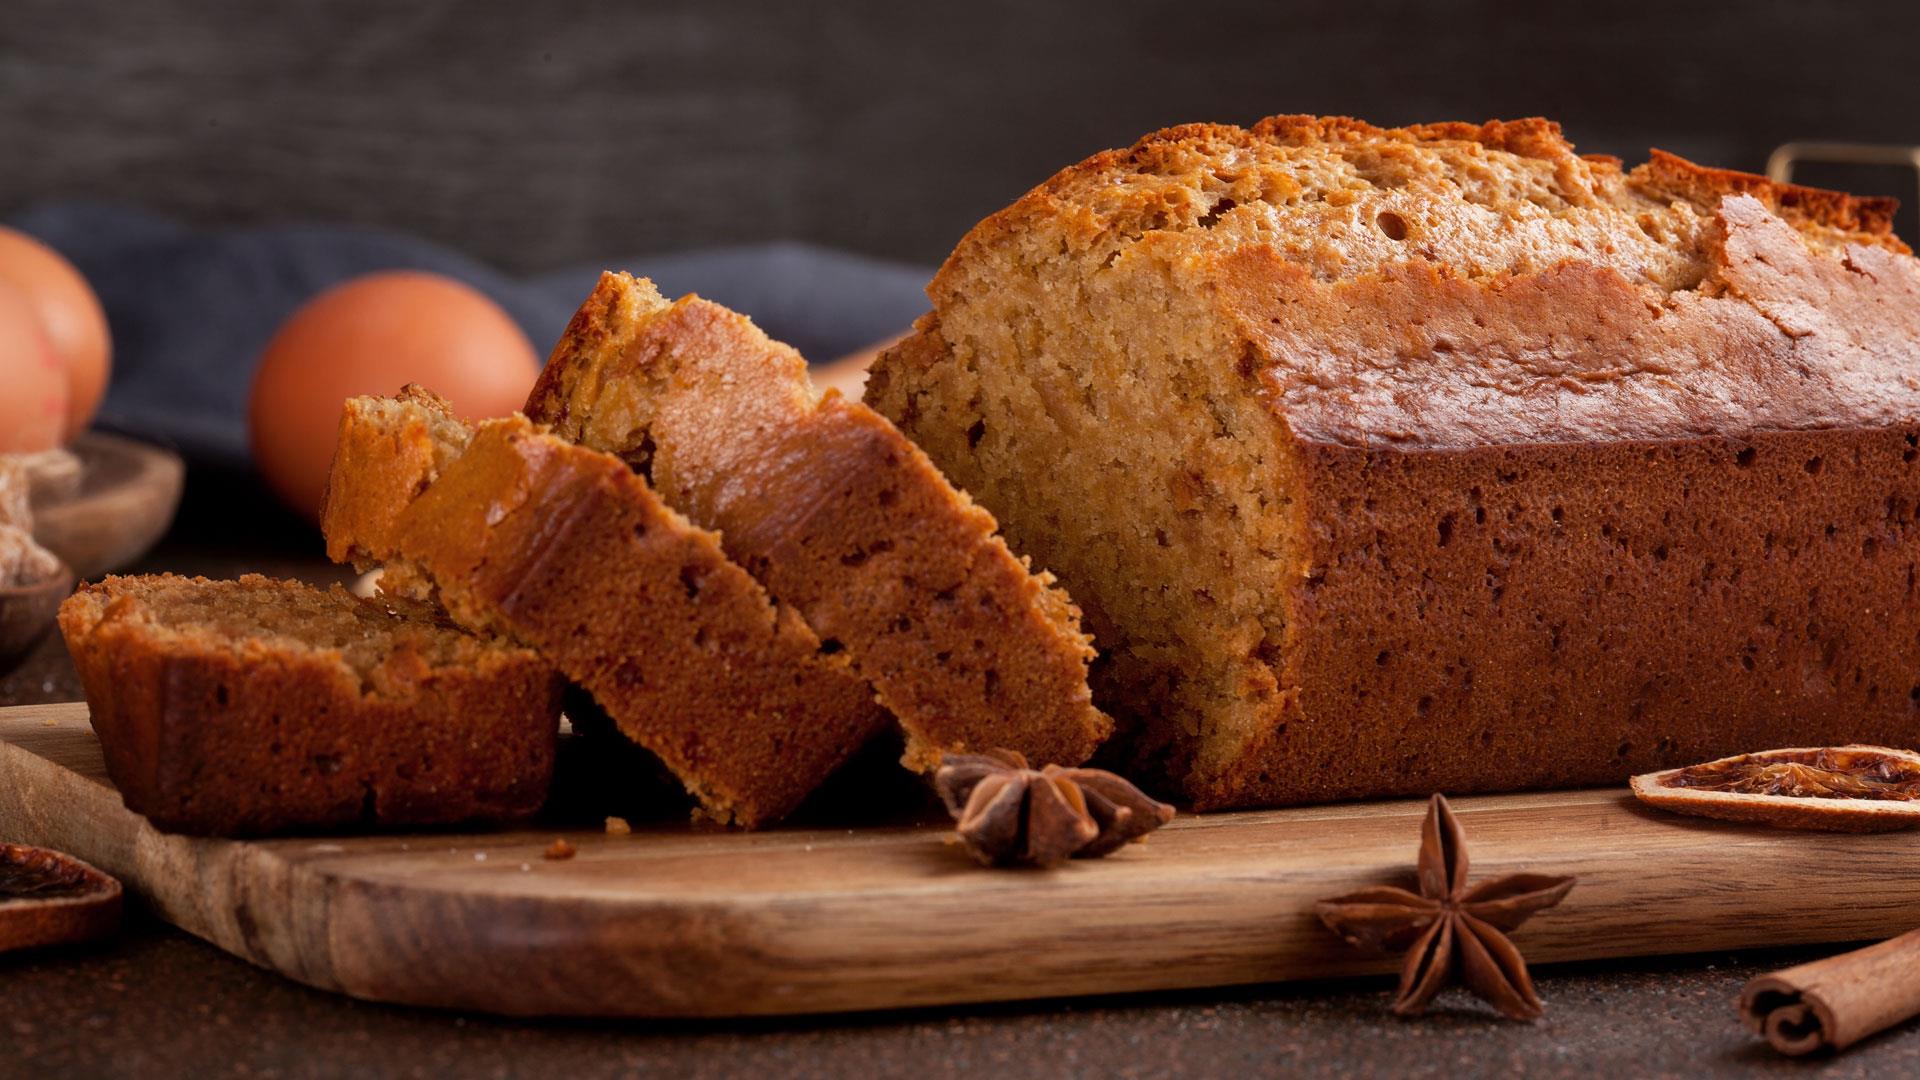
x=190, y=309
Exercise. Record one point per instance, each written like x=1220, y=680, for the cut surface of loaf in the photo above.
x=255, y=706
x=837, y=513
x=1386, y=461
x=568, y=550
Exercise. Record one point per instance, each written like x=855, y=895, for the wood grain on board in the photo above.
x=676, y=922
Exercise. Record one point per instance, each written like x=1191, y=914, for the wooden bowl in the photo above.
x=26, y=614
x=128, y=494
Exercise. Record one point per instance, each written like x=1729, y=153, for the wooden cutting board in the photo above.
x=676, y=922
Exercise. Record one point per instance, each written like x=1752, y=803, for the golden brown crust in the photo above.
x=1532, y=136
x=210, y=734
x=1097, y=192
x=1777, y=337
x=1869, y=219
x=837, y=513
x=570, y=551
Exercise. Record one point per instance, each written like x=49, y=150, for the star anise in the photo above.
x=1450, y=931
x=1010, y=813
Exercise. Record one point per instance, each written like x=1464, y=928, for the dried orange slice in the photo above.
x=47, y=898
x=1835, y=788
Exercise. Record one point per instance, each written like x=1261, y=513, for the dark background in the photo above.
x=540, y=134
x=551, y=136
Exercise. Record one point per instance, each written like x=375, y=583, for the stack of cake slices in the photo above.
x=747, y=578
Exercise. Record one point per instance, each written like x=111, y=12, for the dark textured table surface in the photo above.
x=155, y=1002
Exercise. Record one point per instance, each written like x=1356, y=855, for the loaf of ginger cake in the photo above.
x=1387, y=461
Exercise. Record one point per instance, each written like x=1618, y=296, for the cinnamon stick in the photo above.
x=1836, y=1002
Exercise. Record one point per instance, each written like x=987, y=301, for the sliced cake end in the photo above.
x=256, y=706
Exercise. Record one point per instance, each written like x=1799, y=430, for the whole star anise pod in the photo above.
x=1008, y=813
x=1450, y=931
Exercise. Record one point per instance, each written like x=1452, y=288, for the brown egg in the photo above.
x=33, y=405
x=70, y=314
x=373, y=335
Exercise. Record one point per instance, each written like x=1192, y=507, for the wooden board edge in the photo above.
x=537, y=956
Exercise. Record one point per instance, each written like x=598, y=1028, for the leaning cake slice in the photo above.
x=835, y=512
x=569, y=551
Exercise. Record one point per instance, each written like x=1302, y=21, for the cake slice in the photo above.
x=569, y=551
x=1387, y=461
x=257, y=706
x=837, y=513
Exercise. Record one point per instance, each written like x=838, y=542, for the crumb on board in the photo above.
x=617, y=826
x=559, y=849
